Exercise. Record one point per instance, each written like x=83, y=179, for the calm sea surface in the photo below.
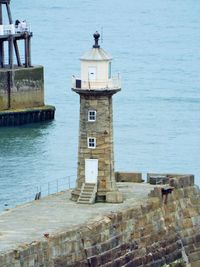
x=155, y=45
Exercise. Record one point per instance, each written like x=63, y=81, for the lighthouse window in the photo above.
x=92, y=115
x=91, y=142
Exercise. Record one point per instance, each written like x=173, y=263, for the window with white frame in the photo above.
x=92, y=115
x=91, y=142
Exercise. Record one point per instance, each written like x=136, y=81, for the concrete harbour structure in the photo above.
x=96, y=177
x=21, y=83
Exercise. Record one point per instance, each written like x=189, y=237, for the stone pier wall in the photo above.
x=21, y=88
x=22, y=97
x=157, y=232
x=133, y=177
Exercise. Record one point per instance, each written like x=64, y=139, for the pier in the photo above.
x=21, y=83
x=147, y=229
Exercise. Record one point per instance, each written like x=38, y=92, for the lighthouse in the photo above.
x=96, y=86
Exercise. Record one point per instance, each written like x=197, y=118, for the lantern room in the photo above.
x=96, y=69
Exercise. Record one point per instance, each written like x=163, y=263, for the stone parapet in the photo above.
x=133, y=177
x=152, y=233
x=174, y=179
x=182, y=181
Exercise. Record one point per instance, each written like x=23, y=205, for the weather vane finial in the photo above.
x=96, y=39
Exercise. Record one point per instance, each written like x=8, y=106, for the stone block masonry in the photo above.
x=142, y=231
x=133, y=177
x=21, y=88
x=22, y=96
x=103, y=132
x=100, y=130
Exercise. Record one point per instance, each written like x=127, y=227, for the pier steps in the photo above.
x=88, y=193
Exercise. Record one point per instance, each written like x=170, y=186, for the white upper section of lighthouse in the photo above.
x=96, y=70
x=96, y=54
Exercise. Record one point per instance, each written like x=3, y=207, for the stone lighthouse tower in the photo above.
x=96, y=177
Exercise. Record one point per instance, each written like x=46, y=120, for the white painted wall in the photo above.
x=102, y=70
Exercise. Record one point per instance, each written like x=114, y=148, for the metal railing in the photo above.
x=12, y=29
x=112, y=83
x=53, y=187
x=22, y=59
x=23, y=27
x=27, y=193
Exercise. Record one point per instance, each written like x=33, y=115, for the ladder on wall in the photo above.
x=88, y=193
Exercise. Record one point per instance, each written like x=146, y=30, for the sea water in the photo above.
x=155, y=46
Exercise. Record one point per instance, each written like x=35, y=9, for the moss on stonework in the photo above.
x=33, y=73
x=177, y=263
x=3, y=81
x=42, y=108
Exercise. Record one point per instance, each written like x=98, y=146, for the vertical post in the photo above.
x=1, y=43
x=2, y=54
x=26, y=46
x=10, y=72
x=9, y=13
x=9, y=76
x=17, y=53
x=1, y=15
x=29, y=50
x=10, y=51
